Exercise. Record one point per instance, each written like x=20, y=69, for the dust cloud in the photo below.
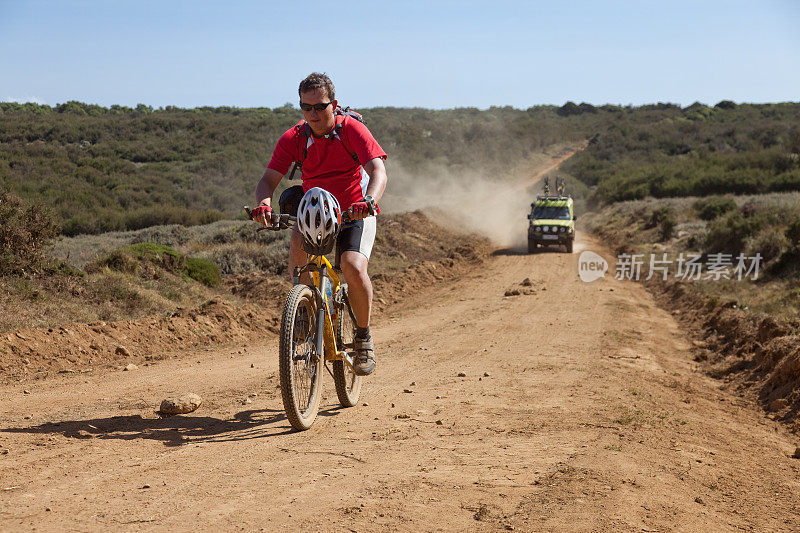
x=465, y=201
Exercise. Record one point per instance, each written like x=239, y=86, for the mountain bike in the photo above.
x=317, y=328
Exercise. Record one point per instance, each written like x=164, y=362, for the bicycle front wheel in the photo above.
x=300, y=366
x=348, y=384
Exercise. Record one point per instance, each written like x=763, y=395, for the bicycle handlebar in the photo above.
x=284, y=220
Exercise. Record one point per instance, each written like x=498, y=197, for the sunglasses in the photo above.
x=315, y=107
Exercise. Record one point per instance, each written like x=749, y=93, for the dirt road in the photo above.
x=580, y=409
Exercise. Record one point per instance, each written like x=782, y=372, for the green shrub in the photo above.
x=769, y=242
x=714, y=206
x=728, y=234
x=203, y=270
x=164, y=256
x=664, y=219
x=24, y=231
x=793, y=232
x=666, y=228
x=119, y=260
x=129, y=259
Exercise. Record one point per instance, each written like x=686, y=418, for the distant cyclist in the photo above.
x=339, y=154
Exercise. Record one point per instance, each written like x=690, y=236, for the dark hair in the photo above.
x=315, y=80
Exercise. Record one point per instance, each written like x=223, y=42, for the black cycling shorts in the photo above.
x=358, y=236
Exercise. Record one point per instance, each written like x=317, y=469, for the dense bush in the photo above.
x=714, y=206
x=24, y=231
x=768, y=242
x=140, y=257
x=793, y=232
x=729, y=234
x=203, y=270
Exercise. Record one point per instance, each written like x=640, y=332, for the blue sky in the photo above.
x=438, y=54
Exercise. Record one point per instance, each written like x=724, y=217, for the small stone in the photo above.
x=413, y=383
x=408, y=391
x=438, y=397
x=47, y=509
x=131, y=366
x=796, y=453
x=26, y=391
x=439, y=422
x=146, y=486
x=246, y=401
x=512, y=292
x=699, y=500
x=252, y=365
x=253, y=395
x=392, y=405
x=123, y=351
x=27, y=417
x=185, y=404
x=462, y=374
x=365, y=404
x=486, y=374
x=527, y=282
x=4, y=452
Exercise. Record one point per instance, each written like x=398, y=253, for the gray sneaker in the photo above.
x=364, y=360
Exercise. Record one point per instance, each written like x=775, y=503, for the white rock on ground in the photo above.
x=184, y=404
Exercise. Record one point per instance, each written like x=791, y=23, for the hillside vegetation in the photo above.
x=109, y=169
x=665, y=151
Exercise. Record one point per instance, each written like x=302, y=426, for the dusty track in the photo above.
x=592, y=417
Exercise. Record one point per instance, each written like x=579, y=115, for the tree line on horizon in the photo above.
x=118, y=168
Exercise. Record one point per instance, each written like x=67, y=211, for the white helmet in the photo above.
x=318, y=219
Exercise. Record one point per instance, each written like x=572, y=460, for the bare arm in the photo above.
x=264, y=190
x=267, y=185
x=377, y=178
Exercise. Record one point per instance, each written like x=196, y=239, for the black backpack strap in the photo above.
x=337, y=132
x=305, y=132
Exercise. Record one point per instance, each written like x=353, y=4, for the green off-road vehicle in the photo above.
x=552, y=220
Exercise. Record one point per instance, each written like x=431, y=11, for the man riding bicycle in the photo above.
x=339, y=154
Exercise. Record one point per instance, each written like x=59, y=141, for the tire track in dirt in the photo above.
x=592, y=416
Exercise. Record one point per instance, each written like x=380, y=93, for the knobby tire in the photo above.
x=348, y=384
x=300, y=367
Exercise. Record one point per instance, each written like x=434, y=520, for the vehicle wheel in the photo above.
x=569, y=246
x=300, y=366
x=532, y=246
x=348, y=384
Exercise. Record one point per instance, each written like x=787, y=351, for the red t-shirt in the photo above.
x=328, y=163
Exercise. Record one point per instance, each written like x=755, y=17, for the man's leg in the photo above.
x=354, y=268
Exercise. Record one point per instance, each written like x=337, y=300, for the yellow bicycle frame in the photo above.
x=332, y=353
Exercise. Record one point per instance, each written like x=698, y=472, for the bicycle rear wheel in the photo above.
x=348, y=384
x=299, y=364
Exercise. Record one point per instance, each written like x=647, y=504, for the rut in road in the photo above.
x=579, y=409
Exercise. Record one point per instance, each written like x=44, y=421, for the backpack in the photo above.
x=305, y=134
